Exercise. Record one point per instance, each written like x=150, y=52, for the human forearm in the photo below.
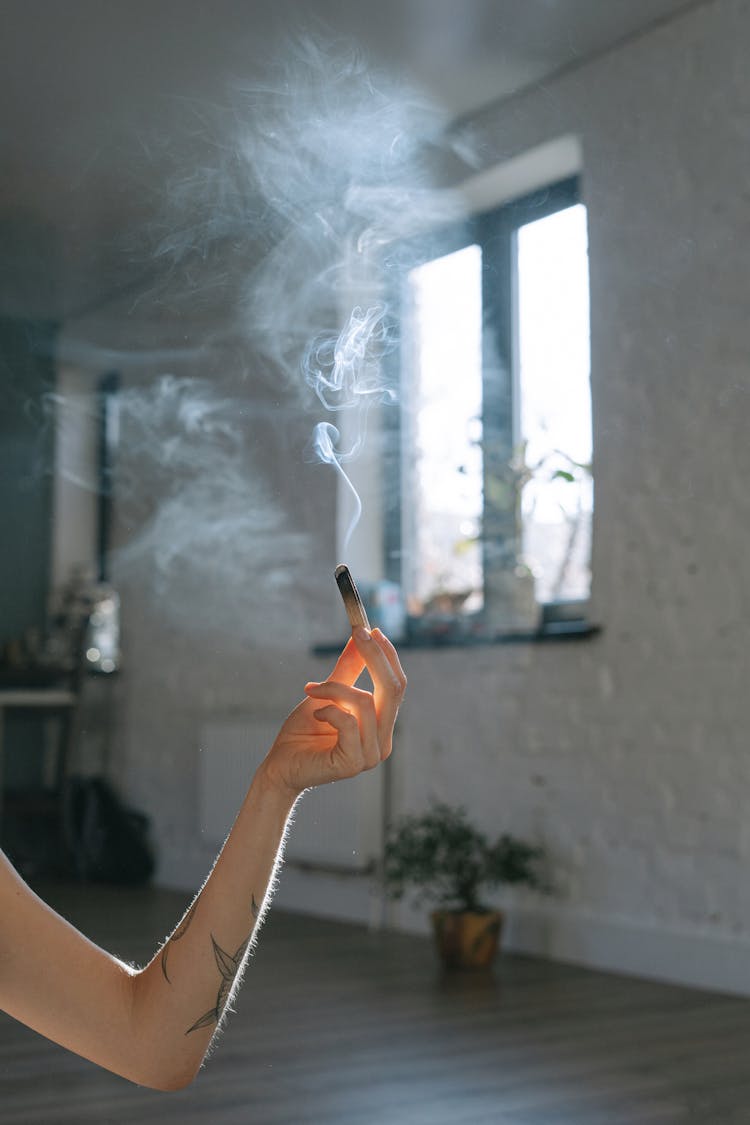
x=179, y=998
x=336, y=732
x=154, y=1025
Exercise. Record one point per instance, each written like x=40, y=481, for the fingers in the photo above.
x=391, y=654
x=352, y=713
x=388, y=679
x=371, y=647
x=351, y=663
x=348, y=757
x=364, y=721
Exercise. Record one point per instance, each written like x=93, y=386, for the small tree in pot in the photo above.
x=448, y=861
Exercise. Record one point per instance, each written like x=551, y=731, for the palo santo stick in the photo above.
x=355, y=610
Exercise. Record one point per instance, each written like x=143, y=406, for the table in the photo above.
x=32, y=699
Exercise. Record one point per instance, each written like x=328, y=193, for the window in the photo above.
x=492, y=449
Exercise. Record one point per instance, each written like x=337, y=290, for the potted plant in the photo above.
x=448, y=861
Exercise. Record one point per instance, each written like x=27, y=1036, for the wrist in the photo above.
x=273, y=787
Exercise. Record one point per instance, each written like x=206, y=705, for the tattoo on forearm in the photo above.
x=179, y=932
x=228, y=965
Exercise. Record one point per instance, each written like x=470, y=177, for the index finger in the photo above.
x=390, y=653
x=389, y=686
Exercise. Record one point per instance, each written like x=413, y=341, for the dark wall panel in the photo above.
x=27, y=378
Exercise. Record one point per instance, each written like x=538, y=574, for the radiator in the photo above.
x=337, y=827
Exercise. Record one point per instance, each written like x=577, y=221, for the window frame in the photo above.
x=495, y=231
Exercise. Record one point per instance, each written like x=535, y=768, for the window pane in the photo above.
x=553, y=358
x=442, y=564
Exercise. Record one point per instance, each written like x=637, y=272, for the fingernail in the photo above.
x=361, y=633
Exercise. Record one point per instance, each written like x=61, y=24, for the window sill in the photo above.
x=553, y=631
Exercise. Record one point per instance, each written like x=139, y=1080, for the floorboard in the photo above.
x=338, y=1025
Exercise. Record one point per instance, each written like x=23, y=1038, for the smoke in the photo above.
x=325, y=445
x=306, y=171
x=215, y=544
x=345, y=373
x=340, y=157
x=286, y=231
x=346, y=370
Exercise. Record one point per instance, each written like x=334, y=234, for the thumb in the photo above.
x=349, y=666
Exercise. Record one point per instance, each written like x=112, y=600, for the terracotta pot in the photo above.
x=467, y=941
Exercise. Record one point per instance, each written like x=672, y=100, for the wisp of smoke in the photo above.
x=215, y=541
x=341, y=157
x=324, y=446
x=345, y=373
x=345, y=370
x=320, y=162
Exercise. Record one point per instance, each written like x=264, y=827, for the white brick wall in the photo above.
x=629, y=754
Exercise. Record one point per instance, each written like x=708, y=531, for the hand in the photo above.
x=340, y=730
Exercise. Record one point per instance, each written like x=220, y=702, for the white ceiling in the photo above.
x=100, y=98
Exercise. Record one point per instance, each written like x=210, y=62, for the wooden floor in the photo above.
x=339, y=1026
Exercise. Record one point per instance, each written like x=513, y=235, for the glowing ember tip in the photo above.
x=355, y=609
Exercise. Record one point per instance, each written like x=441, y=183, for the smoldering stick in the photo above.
x=355, y=609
